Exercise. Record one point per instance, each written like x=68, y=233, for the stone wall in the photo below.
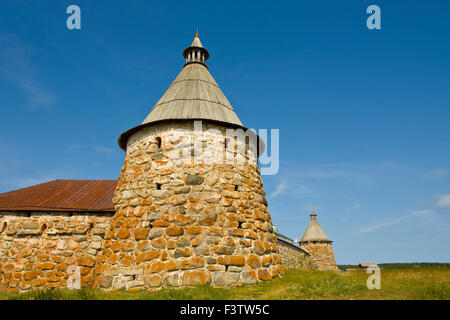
x=50, y=249
x=185, y=223
x=293, y=256
x=322, y=255
x=177, y=223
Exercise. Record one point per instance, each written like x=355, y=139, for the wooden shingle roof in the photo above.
x=314, y=231
x=193, y=95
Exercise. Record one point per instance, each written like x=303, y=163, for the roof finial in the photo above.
x=195, y=53
x=313, y=215
x=196, y=32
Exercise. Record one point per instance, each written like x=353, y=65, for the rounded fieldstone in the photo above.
x=207, y=219
x=172, y=280
x=105, y=281
x=248, y=277
x=193, y=179
x=224, y=278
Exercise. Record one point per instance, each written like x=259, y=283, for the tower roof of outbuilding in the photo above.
x=193, y=95
x=314, y=231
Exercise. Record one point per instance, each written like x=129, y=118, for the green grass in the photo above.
x=402, y=283
x=400, y=265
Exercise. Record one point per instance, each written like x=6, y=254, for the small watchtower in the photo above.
x=316, y=242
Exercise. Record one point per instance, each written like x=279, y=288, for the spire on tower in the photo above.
x=195, y=53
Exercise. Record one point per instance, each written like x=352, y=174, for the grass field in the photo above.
x=410, y=265
x=396, y=283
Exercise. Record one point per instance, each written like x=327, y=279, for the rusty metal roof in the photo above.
x=62, y=195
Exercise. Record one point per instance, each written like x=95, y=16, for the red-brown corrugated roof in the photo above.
x=61, y=195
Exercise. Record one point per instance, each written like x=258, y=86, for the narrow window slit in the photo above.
x=158, y=142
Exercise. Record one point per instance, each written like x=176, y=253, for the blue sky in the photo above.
x=363, y=114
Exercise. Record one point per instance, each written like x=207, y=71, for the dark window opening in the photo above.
x=158, y=142
x=225, y=142
x=236, y=188
x=226, y=268
x=240, y=225
x=158, y=186
x=44, y=227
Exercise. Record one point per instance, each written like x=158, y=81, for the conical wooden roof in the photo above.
x=194, y=94
x=314, y=231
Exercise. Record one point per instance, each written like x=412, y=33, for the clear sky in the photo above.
x=364, y=115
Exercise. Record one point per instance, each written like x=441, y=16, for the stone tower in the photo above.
x=317, y=244
x=185, y=214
